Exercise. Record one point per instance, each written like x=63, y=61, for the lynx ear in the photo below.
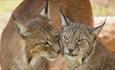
x=45, y=10
x=65, y=20
x=22, y=29
x=98, y=29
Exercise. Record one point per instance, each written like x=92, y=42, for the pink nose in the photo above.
x=70, y=50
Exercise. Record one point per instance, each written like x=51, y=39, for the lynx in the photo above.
x=29, y=9
x=78, y=11
x=81, y=49
x=31, y=46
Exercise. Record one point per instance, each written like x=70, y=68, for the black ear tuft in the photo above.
x=64, y=19
x=44, y=12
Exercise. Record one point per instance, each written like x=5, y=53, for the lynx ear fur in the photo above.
x=21, y=28
x=44, y=12
x=98, y=29
x=64, y=19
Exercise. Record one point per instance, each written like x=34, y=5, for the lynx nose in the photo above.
x=67, y=50
x=71, y=48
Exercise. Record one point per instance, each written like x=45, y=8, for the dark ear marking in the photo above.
x=97, y=30
x=44, y=12
x=64, y=19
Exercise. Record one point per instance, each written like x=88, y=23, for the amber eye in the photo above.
x=79, y=41
x=47, y=44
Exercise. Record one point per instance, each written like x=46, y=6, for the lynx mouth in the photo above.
x=50, y=56
x=79, y=59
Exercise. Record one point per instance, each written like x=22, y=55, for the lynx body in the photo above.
x=82, y=50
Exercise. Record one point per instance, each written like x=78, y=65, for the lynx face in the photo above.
x=77, y=41
x=40, y=38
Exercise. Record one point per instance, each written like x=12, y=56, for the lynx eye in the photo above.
x=79, y=41
x=47, y=44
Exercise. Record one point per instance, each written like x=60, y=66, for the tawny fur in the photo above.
x=29, y=9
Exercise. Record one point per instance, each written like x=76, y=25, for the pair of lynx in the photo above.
x=77, y=43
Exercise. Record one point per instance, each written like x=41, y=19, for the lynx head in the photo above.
x=78, y=40
x=41, y=39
